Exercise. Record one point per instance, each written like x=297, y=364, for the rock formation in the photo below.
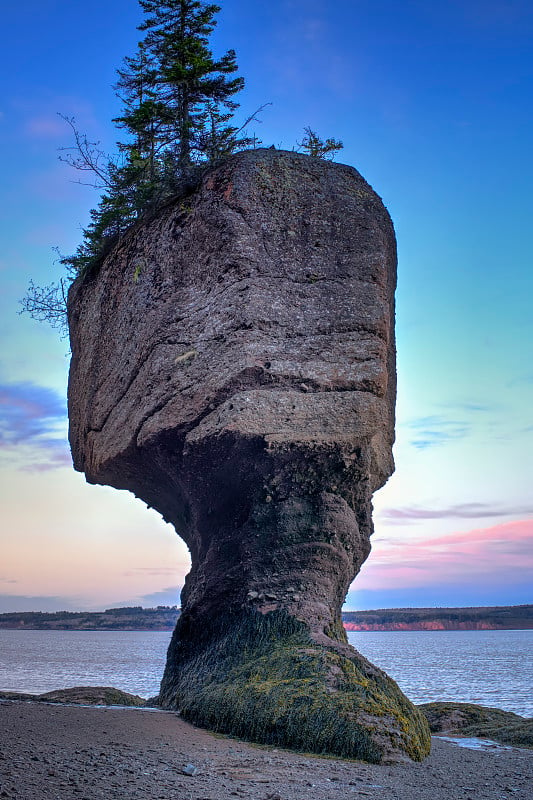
x=470, y=719
x=233, y=365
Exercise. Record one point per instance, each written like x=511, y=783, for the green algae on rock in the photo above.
x=470, y=719
x=244, y=386
x=262, y=677
x=82, y=695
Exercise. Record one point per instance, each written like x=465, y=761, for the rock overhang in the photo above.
x=233, y=364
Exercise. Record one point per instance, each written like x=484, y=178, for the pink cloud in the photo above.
x=45, y=462
x=500, y=554
x=152, y=571
x=46, y=126
x=32, y=421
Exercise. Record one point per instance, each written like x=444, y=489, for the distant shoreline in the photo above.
x=482, y=618
x=164, y=618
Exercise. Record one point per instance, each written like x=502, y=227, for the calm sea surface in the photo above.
x=494, y=668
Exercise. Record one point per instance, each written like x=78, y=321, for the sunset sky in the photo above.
x=433, y=104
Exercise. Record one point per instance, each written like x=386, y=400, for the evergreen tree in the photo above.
x=176, y=110
x=313, y=145
x=190, y=85
x=142, y=115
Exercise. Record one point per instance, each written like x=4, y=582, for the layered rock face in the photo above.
x=233, y=365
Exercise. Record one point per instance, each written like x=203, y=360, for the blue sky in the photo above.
x=433, y=104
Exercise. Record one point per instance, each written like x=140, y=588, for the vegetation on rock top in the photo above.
x=176, y=120
x=82, y=695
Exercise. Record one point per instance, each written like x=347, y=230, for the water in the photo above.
x=493, y=668
x=39, y=661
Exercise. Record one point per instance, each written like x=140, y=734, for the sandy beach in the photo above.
x=83, y=753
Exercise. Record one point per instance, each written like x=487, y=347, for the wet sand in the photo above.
x=80, y=753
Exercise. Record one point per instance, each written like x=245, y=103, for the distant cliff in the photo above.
x=164, y=618
x=441, y=619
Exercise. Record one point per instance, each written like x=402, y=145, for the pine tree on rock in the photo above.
x=176, y=110
x=142, y=114
x=190, y=84
x=177, y=107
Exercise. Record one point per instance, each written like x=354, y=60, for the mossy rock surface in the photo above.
x=82, y=695
x=94, y=695
x=264, y=679
x=17, y=696
x=470, y=719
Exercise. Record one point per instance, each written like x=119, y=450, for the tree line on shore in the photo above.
x=165, y=617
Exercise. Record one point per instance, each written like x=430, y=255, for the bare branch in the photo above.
x=89, y=156
x=253, y=117
x=47, y=304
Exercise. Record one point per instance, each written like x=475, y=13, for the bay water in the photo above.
x=493, y=668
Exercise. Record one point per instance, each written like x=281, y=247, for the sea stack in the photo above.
x=233, y=365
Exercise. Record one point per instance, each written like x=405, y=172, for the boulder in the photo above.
x=82, y=695
x=470, y=719
x=233, y=365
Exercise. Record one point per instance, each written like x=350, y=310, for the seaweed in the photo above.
x=263, y=678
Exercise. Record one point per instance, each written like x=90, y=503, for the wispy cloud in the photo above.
x=45, y=126
x=456, y=421
x=433, y=431
x=33, y=418
x=152, y=571
x=499, y=554
x=470, y=407
x=42, y=235
x=24, y=602
x=28, y=411
x=166, y=597
x=406, y=515
x=313, y=29
x=57, y=182
x=438, y=594
x=44, y=116
x=53, y=455
x=490, y=17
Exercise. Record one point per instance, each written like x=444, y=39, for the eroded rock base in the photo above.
x=264, y=679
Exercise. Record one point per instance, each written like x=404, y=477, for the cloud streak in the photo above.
x=501, y=554
x=153, y=571
x=436, y=430
x=33, y=418
x=170, y=596
x=408, y=514
x=45, y=126
x=22, y=602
